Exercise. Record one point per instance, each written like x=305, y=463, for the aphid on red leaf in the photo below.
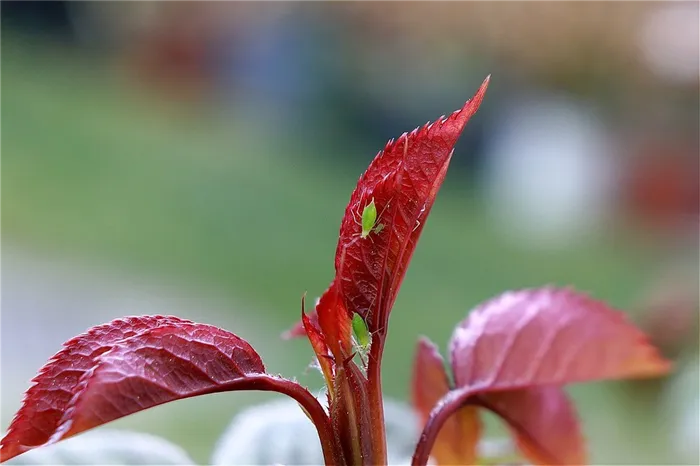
x=368, y=220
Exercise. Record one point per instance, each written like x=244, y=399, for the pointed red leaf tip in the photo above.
x=458, y=438
x=125, y=366
x=403, y=179
x=548, y=336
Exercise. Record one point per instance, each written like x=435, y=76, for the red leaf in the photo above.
x=458, y=439
x=430, y=382
x=335, y=322
x=318, y=344
x=543, y=422
x=128, y=365
x=52, y=389
x=511, y=354
x=403, y=180
x=548, y=336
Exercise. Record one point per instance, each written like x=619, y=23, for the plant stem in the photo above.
x=448, y=405
x=374, y=377
x=331, y=451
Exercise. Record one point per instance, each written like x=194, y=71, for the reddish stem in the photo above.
x=374, y=377
x=448, y=405
x=331, y=450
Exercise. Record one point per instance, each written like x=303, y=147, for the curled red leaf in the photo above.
x=127, y=366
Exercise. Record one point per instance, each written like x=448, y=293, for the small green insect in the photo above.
x=369, y=220
x=362, y=338
x=361, y=333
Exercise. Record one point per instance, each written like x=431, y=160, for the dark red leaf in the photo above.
x=403, y=180
x=548, y=336
x=543, y=422
x=458, y=439
x=126, y=366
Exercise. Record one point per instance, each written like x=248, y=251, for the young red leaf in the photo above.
x=335, y=322
x=543, y=422
x=403, y=181
x=457, y=441
x=548, y=336
x=127, y=366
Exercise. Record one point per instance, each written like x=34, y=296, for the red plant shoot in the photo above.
x=511, y=355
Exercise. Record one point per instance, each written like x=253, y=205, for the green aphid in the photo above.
x=362, y=335
x=369, y=220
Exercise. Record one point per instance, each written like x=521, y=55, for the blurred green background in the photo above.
x=203, y=154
